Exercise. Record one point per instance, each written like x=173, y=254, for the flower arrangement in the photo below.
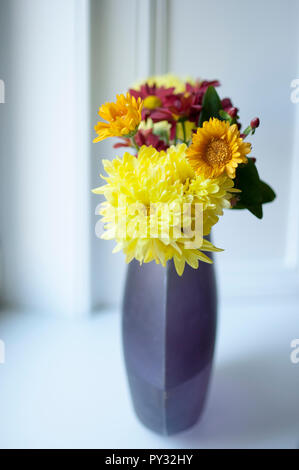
x=188, y=160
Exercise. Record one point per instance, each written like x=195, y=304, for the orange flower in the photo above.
x=217, y=148
x=123, y=118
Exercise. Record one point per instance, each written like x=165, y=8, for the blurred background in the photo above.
x=62, y=383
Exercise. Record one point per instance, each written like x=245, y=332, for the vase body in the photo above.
x=169, y=328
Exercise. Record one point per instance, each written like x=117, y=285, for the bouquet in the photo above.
x=187, y=160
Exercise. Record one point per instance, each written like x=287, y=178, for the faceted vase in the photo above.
x=169, y=327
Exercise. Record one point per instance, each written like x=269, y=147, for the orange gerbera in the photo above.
x=123, y=118
x=217, y=148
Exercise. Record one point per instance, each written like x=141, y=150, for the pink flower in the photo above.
x=153, y=97
x=147, y=137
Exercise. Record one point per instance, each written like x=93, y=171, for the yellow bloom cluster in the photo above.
x=154, y=203
x=161, y=204
x=167, y=80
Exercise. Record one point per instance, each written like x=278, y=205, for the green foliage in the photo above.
x=225, y=116
x=255, y=192
x=268, y=195
x=211, y=106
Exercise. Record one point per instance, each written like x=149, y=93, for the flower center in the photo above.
x=152, y=102
x=217, y=152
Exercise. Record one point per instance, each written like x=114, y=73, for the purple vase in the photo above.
x=169, y=327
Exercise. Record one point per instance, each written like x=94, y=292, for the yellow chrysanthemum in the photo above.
x=123, y=117
x=167, y=80
x=217, y=148
x=149, y=201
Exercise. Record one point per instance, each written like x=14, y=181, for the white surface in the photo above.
x=63, y=383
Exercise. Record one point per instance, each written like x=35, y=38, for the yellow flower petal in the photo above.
x=217, y=148
x=146, y=198
x=123, y=117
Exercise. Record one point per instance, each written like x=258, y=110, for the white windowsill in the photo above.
x=64, y=385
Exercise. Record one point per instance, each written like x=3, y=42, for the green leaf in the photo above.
x=225, y=116
x=255, y=192
x=211, y=106
x=248, y=181
x=256, y=210
x=268, y=195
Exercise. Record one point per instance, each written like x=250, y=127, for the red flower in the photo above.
x=147, y=137
x=161, y=114
x=125, y=143
x=230, y=109
x=187, y=105
x=163, y=104
x=201, y=87
x=143, y=137
x=226, y=104
x=255, y=123
x=153, y=97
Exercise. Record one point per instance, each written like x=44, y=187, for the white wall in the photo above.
x=44, y=186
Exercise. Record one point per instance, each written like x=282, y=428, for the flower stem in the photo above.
x=133, y=141
x=184, y=131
